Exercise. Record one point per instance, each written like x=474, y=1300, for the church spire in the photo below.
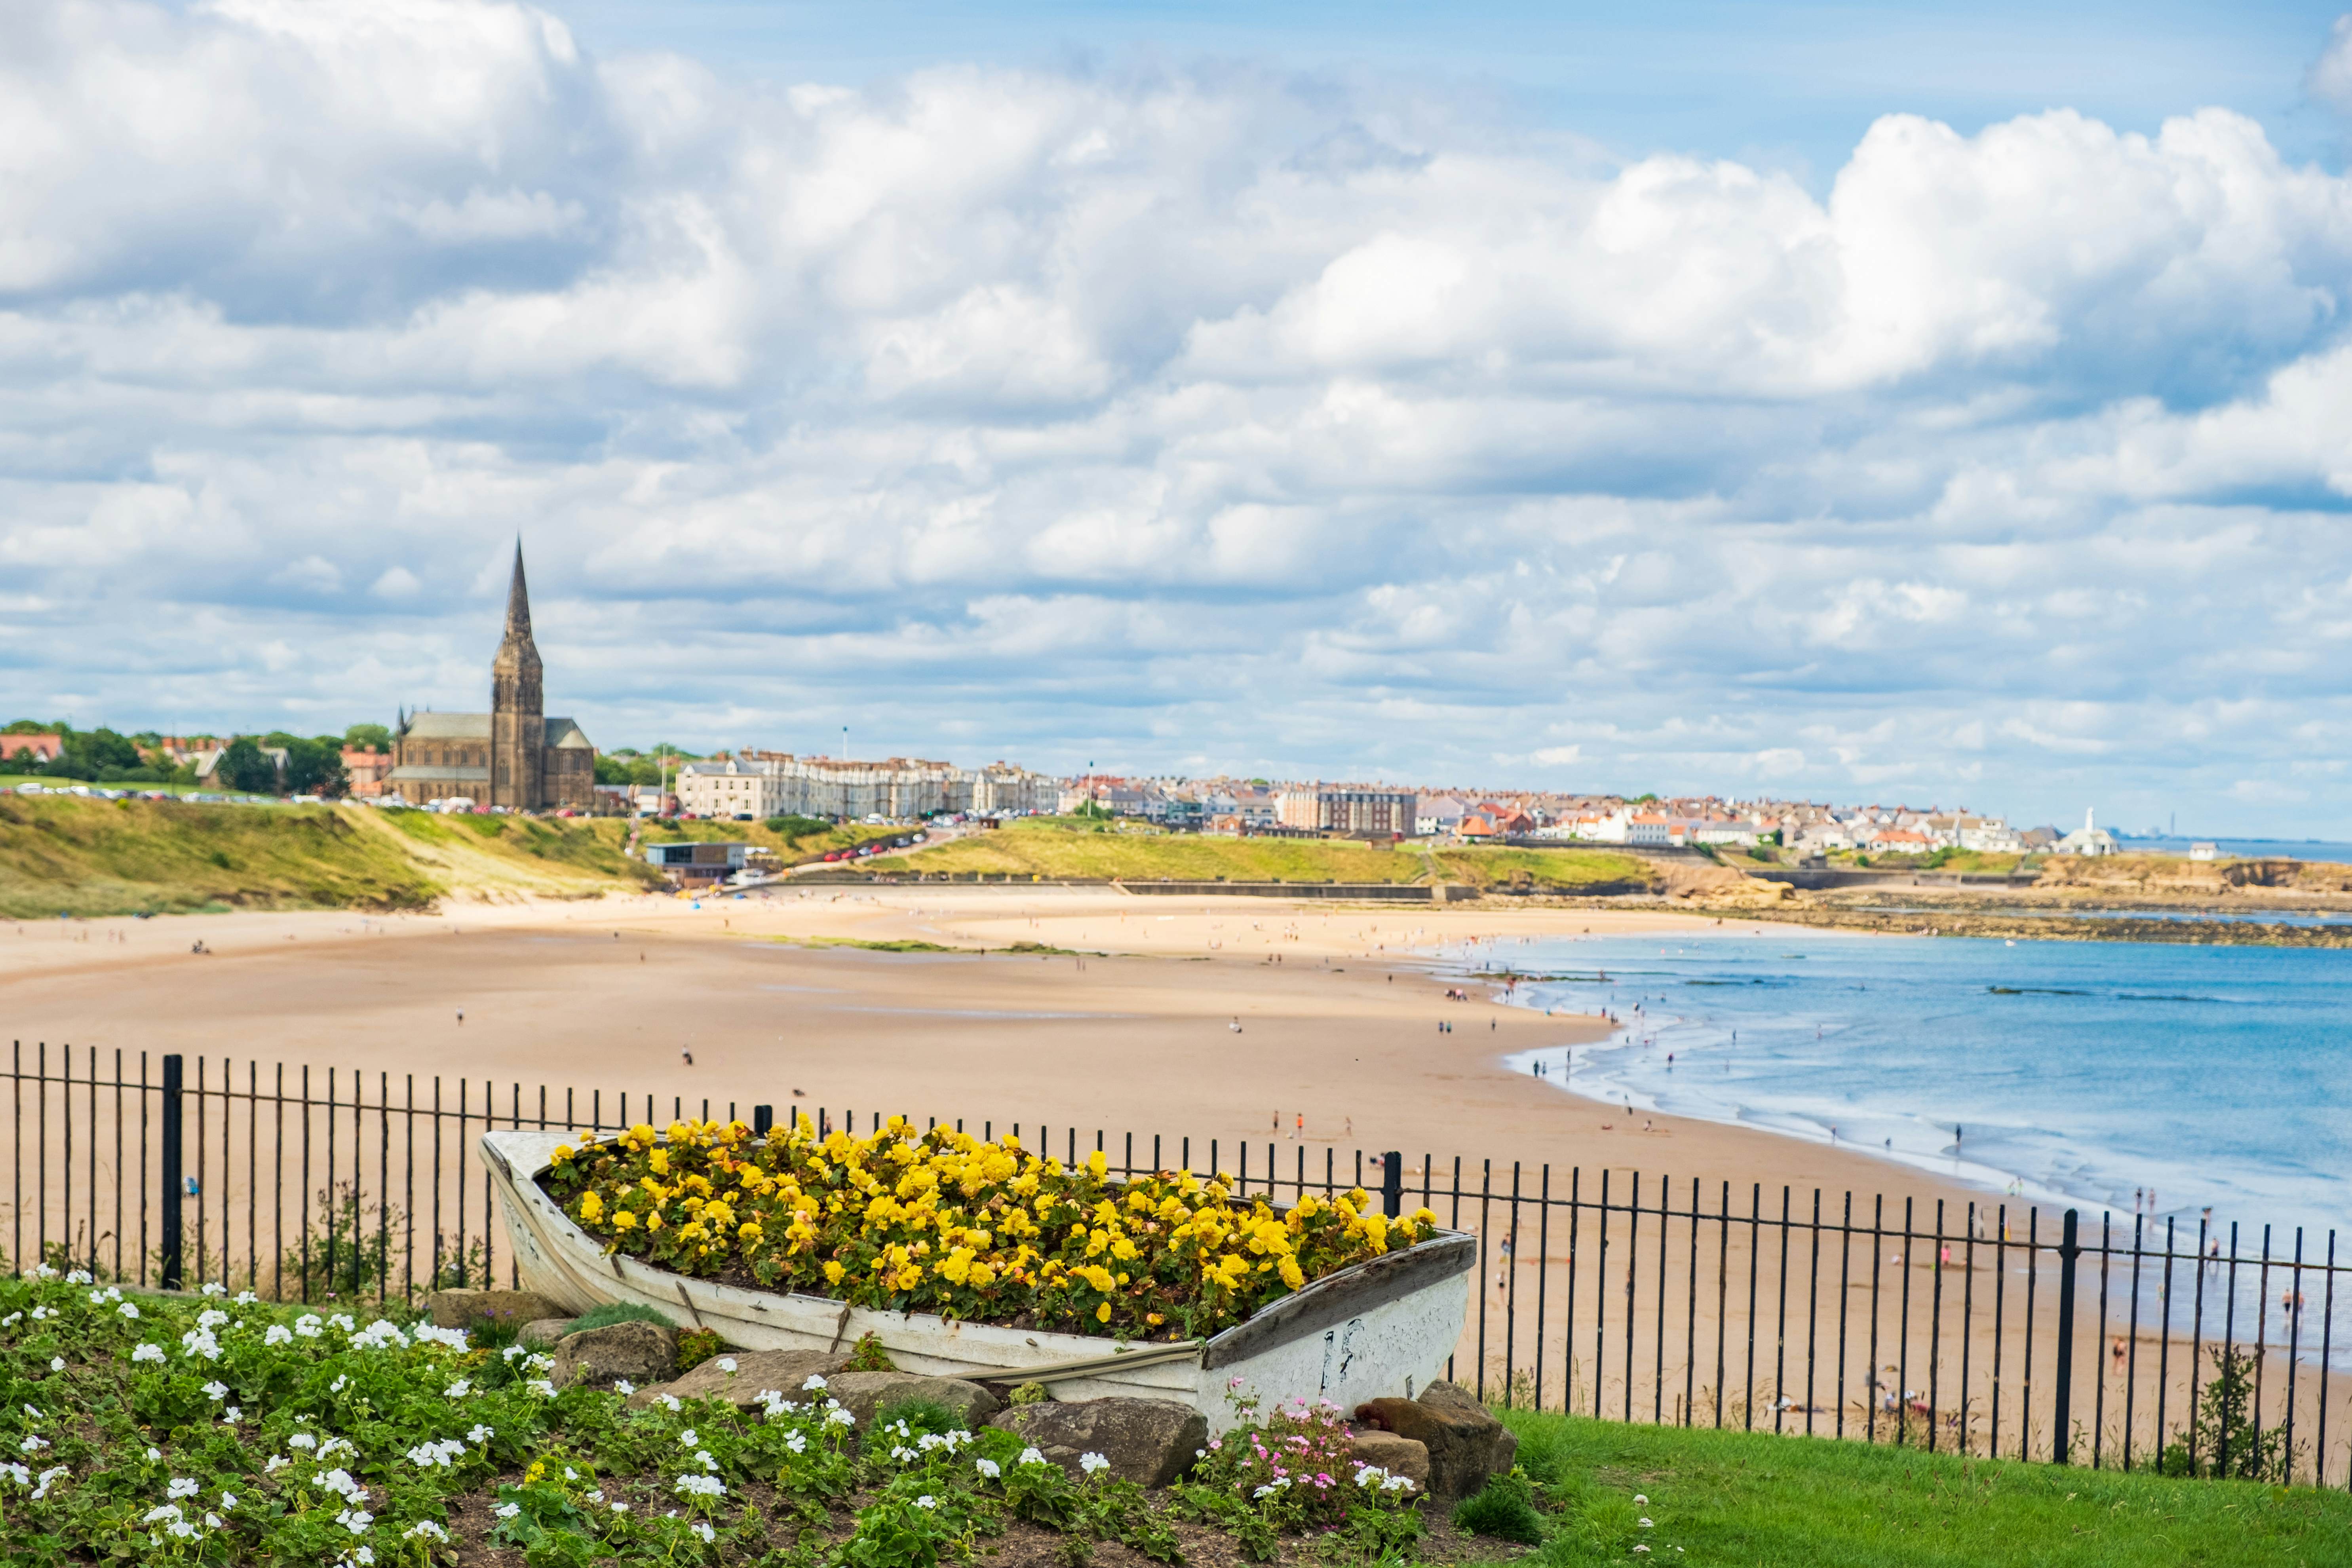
x=518, y=600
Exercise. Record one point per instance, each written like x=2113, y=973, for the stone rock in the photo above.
x=1150, y=1441
x=1465, y=1445
x=640, y=1351
x=543, y=1334
x=783, y=1371
x=1396, y=1456
x=864, y=1392
x=470, y=1309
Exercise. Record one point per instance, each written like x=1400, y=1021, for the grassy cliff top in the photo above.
x=1057, y=847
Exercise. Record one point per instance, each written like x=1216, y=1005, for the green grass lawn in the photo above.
x=1759, y=1501
x=1056, y=847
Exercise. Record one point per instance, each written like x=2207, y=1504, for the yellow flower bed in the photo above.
x=941, y=1222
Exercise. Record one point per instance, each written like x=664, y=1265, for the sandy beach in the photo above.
x=1206, y=1019
x=1338, y=1012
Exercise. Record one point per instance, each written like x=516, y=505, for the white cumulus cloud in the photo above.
x=1164, y=414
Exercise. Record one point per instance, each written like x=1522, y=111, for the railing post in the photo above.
x=172, y=1182
x=763, y=1117
x=1393, y=1184
x=2062, y=1436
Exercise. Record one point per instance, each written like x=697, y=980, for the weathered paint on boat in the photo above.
x=1382, y=1327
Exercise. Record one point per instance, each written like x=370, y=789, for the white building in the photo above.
x=731, y=788
x=1650, y=827
x=2088, y=839
x=1989, y=835
x=1437, y=814
x=777, y=783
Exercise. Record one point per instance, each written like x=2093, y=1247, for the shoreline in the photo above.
x=552, y=995
x=1109, y=983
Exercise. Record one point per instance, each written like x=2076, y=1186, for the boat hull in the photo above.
x=1381, y=1328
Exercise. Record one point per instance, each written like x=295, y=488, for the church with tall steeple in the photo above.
x=514, y=755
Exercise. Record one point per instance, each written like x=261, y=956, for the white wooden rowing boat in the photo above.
x=1384, y=1326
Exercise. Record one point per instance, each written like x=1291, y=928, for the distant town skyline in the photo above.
x=1942, y=404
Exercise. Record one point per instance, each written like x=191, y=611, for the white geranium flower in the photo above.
x=128, y=1309
x=424, y=1529
x=727, y=1364
x=278, y=1335
x=989, y=1469
x=1090, y=1463
x=182, y=1485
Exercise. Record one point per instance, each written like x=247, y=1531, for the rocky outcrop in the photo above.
x=739, y=1377
x=483, y=1308
x=1152, y=1442
x=543, y=1334
x=1397, y=1455
x=863, y=1394
x=1465, y=1445
x=639, y=1352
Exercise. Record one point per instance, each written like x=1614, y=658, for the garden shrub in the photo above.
x=942, y=1222
x=1503, y=1510
x=611, y=1312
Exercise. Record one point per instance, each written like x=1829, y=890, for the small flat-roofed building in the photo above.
x=699, y=862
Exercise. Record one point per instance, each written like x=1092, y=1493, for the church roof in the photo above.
x=449, y=727
x=559, y=731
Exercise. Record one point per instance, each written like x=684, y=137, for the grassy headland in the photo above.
x=69, y=855
x=1058, y=848
x=1807, y=1502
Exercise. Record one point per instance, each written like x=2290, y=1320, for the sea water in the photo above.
x=2108, y=1075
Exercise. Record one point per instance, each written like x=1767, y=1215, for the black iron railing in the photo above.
x=1988, y=1330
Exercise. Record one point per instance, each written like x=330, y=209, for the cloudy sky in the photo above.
x=1951, y=407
